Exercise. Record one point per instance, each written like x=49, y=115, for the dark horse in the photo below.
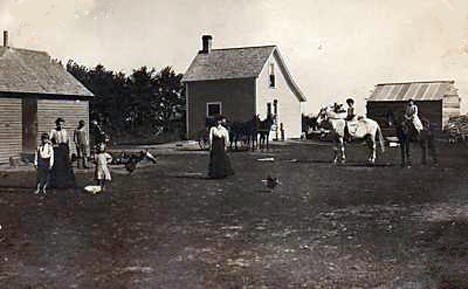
x=406, y=132
x=264, y=128
x=243, y=131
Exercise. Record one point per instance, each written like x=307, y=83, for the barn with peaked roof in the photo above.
x=239, y=83
x=34, y=91
x=437, y=100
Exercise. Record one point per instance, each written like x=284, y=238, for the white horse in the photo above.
x=362, y=128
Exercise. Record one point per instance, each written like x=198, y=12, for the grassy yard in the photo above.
x=166, y=226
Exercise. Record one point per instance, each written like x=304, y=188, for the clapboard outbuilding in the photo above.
x=34, y=91
x=437, y=100
x=240, y=83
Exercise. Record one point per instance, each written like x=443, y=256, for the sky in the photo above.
x=335, y=49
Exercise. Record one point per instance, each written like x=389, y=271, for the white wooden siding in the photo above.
x=289, y=107
x=10, y=128
x=72, y=111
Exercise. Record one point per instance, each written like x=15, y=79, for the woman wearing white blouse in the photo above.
x=62, y=175
x=220, y=165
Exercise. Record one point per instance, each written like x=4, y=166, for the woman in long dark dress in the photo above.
x=220, y=165
x=62, y=176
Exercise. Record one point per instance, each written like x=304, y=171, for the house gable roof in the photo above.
x=423, y=90
x=29, y=71
x=236, y=63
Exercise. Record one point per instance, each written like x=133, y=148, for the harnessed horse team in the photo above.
x=252, y=134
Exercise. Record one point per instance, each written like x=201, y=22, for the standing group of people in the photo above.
x=52, y=158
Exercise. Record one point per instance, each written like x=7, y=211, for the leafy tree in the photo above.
x=147, y=102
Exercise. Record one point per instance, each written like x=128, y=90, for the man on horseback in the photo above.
x=411, y=115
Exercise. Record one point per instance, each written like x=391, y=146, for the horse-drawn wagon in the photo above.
x=204, y=134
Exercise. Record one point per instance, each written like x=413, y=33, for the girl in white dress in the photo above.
x=412, y=115
x=102, y=173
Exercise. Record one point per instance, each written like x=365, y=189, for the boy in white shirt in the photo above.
x=43, y=162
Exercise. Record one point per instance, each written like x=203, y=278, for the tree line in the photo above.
x=145, y=104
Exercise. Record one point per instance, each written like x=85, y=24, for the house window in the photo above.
x=272, y=74
x=275, y=107
x=213, y=109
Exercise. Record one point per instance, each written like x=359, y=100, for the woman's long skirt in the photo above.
x=62, y=175
x=220, y=165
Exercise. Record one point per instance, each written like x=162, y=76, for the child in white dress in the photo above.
x=102, y=173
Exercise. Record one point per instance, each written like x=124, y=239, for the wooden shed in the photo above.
x=437, y=100
x=34, y=91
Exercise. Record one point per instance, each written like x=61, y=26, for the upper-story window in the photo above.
x=272, y=74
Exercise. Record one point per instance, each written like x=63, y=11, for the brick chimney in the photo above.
x=5, y=38
x=207, y=40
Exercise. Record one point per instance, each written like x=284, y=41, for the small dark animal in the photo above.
x=131, y=164
x=271, y=182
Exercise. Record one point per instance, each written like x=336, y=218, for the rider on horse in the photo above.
x=351, y=120
x=411, y=115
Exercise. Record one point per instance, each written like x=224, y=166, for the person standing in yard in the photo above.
x=102, y=173
x=220, y=165
x=62, y=176
x=43, y=162
x=80, y=137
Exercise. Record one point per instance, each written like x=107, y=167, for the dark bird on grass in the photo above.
x=271, y=182
x=131, y=163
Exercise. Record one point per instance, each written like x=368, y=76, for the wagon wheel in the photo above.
x=203, y=143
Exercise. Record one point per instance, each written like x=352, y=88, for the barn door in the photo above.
x=29, y=121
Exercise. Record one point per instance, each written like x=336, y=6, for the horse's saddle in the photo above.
x=356, y=126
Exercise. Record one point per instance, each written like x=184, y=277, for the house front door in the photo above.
x=29, y=121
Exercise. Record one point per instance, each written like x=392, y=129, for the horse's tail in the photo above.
x=381, y=138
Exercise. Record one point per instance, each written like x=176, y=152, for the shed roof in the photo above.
x=423, y=90
x=29, y=71
x=236, y=63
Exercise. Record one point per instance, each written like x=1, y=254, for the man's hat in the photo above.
x=350, y=100
x=45, y=136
